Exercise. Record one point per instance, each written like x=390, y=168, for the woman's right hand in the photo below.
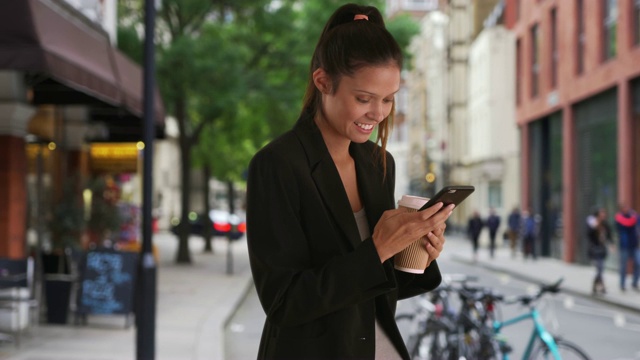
x=398, y=228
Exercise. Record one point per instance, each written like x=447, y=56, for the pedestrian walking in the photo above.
x=626, y=221
x=529, y=234
x=514, y=223
x=493, y=223
x=322, y=223
x=599, y=236
x=474, y=228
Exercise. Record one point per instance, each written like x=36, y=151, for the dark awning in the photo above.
x=69, y=60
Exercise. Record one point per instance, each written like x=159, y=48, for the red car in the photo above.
x=228, y=225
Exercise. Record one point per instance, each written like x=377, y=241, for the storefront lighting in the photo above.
x=87, y=196
x=431, y=177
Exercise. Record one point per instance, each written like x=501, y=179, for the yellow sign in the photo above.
x=114, y=157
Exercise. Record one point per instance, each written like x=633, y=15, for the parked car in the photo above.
x=224, y=224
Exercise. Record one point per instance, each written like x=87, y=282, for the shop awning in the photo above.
x=67, y=59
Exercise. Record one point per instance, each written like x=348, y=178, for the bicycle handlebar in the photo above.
x=544, y=288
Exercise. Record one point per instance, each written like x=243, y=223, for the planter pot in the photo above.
x=58, y=295
x=54, y=264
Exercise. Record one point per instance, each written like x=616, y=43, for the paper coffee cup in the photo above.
x=414, y=258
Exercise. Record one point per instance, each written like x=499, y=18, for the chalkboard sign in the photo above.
x=107, y=282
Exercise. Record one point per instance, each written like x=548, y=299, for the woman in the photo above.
x=321, y=217
x=599, y=234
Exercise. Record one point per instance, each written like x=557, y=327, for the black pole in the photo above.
x=147, y=294
x=232, y=210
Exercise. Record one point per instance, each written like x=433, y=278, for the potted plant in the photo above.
x=105, y=218
x=66, y=225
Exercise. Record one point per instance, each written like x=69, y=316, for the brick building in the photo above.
x=578, y=108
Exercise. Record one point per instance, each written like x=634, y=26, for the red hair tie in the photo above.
x=360, y=17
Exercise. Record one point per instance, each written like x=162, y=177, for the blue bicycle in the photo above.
x=542, y=344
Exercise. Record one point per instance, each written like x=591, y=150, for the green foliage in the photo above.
x=67, y=218
x=259, y=77
x=404, y=28
x=104, y=215
x=240, y=68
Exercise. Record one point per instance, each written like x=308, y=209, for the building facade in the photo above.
x=578, y=109
x=401, y=143
x=461, y=110
x=64, y=87
x=493, y=154
x=427, y=106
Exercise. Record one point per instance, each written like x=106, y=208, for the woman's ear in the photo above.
x=322, y=81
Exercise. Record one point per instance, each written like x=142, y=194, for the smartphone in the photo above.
x=453, y=194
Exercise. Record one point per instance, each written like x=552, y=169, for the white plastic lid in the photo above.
x=412, y=202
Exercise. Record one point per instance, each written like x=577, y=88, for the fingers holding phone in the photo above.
x=432, y=216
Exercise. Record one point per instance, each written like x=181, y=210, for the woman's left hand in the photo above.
x=434, y=243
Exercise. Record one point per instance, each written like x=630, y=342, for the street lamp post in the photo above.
x=147, y=267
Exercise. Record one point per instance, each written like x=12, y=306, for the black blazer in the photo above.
x=321, y=287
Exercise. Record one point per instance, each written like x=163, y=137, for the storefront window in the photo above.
x=545, y=181
x=495, y=194
x=596, y=155
x=635, y=88
x=38, y=193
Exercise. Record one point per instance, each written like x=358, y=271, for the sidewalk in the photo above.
x=195, y=301
x=193, y=304
x=577, y=278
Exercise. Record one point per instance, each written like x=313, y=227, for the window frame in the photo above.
x=609, y=21
x=635, y=22
x=554, y=55
x=518, y=71
x=580, y=37
x=534, y=34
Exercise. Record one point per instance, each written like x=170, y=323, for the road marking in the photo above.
x=236, y=328
x=619, y=319
x=504, y=278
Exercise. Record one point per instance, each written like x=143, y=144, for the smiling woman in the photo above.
x=352, y=110
x=322, y=227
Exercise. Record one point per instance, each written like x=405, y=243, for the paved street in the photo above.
x=196, y=302
x=243, y=332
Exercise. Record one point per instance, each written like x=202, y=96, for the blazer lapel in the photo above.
x=326, y=177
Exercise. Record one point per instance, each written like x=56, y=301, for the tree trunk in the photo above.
x=207, y=230
x=231, y=196
x=184, y=256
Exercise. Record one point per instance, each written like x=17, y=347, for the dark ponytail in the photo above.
x=347, y=45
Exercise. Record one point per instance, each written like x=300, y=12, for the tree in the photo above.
x=199, y=71
x=232, y=73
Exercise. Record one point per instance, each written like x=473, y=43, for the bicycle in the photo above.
x=434, y=325
x=542, y=344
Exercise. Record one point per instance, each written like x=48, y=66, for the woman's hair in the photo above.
x=347, y=45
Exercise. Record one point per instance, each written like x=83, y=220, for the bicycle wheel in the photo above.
x=568, y=351
x=431, y=345
x=490, y=348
